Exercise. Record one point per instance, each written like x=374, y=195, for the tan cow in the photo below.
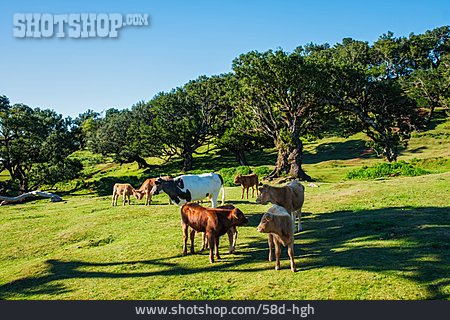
x=126, y=190
x=277, y=222
x=290, y=197
x=247, y=182
x=147, y=188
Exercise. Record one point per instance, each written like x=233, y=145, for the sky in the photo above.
x=184, y=39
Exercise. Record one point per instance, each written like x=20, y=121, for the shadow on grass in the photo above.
x=414, y=243
x=346, y=150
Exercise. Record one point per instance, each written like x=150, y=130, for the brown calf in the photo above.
x=126, y=190
x=147, y=189
x=248, y=181
x=278, y=223
x=215, y=222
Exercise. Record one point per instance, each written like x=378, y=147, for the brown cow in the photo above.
x=147, y=189
x=290, y=197
x=278, y=223
x=126, y=190
x=215, y=222
x=247, y=181
x=232, y=233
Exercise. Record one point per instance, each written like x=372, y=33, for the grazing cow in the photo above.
x=277, y=222
x=126, y=190
x=247, y=181
x=290, y=197
x=213, y=221
x=147, y=189
x=191, y=187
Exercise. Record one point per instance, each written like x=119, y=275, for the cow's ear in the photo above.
x=234, y=213
x=269, y=217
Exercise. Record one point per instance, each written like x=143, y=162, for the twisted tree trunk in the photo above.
x=7, y=200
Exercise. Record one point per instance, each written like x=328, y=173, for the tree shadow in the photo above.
x=345, y=150
x=414, y=243
x=418, y=238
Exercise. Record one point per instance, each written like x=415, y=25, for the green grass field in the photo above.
x=378, y=239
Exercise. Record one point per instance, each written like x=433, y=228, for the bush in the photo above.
x=400, y=168
x=228, y=174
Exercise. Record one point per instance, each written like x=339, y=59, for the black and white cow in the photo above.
x=192, y=187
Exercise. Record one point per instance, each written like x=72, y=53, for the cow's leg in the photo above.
x=299, y=213
x=204, y=241
x=247, y=192
x=253, y=191
x=211, y=240
x=113, y=196
x=291, y=256
x=232, y=237
x=184, y=227
x=277, y=254
x=216, y=247
x=293, y=216
x=124, y=199
x=214, y=201
x=192, y=240
x=270, y=241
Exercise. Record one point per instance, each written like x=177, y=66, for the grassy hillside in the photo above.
x=363, y=239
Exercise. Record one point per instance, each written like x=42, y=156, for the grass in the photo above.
x=360, y=241
x=376, y=239
x=383, y=170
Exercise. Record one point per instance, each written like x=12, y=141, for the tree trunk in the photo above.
x=187, y=160
x=7, y=200
x=142, y=164
x=430, y=115
x=240, y=157
x=289, y=161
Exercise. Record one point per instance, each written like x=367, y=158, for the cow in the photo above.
x=213, y=221
x=279, y=226
x=190, y=187
x=247, y=181
x=290, y=197
x=149, y=187
x=232, y=233
x=126, y=190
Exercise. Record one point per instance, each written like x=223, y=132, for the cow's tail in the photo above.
x=223, y=189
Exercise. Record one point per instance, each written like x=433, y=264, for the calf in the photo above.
x=290, y=197
x=147, y=188
x=126, y=190
x=214, y=222
x=247, y=182
x=278, y=223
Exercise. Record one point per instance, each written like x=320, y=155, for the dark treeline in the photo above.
x=273, y=98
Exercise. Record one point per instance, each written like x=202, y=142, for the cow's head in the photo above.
x=263, y=196
x=238, y=179
x=138, y=194
x=266, y=225
x=237, y=217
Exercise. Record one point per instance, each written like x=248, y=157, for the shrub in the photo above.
x=400, y=168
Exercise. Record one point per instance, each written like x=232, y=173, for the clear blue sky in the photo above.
x=185, y=39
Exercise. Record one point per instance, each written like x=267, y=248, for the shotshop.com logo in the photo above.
x=74, y=25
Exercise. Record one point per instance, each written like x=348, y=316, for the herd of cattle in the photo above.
x=278, y=222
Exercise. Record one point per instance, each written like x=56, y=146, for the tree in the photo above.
x=34, y=146
x=379, y=104
x=86, y=125
x=281, y=92
x=188, y=117
x=127, y=135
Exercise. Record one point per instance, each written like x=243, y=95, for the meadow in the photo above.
x=385, y=238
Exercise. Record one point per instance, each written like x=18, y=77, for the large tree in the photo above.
x=381, y=108
x=188, y=117
x=127, y=135
x=281, y=91
x=35, y=145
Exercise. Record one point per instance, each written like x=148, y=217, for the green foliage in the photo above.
x=381, y=170
x=34, y=146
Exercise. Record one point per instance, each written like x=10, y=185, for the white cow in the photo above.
x=192, y=187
